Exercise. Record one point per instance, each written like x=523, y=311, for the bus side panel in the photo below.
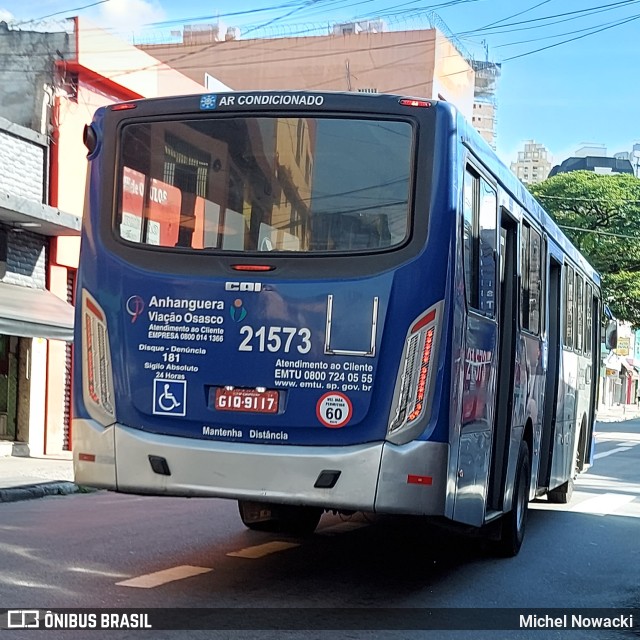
x=477, y=419
x=565, y=437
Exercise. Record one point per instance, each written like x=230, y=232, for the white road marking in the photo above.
x=151, y=580
x=618, y=435
x=604, y=454
x=602, y=505
x=262, y=550
x=342, y=527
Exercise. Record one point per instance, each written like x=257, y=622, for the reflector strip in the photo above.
x=426, y=480
x=423, y=322
x=96, y=312
x=87, y=457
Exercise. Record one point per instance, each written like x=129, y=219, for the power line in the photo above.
x=514, y=15
x=608, y=200
x=557, y=44
x=576, y=14
x=599, y=232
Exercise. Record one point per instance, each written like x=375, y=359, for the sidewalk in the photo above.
x=618, y=413
x=22, y=478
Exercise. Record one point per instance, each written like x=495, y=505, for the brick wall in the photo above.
x=23, y=167
x=26, y=259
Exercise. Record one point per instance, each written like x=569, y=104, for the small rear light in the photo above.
x=252, y=267
x=411, y=102
x=87, y=457
x=123, y=106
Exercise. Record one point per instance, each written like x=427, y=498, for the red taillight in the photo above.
x=411, y=102
x=97, y=377
x=87, y=457
x=415, y=375
x=426, y=480
x=123, y=106
x=424, y=374
x=252, y=267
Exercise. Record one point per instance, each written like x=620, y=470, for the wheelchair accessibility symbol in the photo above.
x=169, y=397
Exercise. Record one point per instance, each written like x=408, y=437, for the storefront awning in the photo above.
x=613, y=362
x=34, y=313
x=630, y=370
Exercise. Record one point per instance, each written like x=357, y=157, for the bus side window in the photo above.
x=480, y=240
x=588, y=320
x=487, y=253
x=569, y=318
x=579, y=294
x=524, y=278
x=470, y=207
x=531, y=267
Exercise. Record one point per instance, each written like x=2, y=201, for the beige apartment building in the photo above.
x=484, y=120
x=533, y=164
x=421, y=63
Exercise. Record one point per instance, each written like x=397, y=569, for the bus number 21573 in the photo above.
x=275, y=339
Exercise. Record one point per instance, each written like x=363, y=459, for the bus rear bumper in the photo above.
x=373, y=477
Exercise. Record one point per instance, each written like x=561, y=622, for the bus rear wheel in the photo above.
x=279, y=518
x=513, y=523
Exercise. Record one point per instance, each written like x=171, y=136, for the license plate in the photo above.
x=249, y=400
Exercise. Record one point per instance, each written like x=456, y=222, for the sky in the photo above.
x=569, y=67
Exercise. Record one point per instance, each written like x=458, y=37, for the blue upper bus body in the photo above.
x=271, y=305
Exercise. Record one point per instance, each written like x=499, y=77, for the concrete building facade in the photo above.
x=485, y=108
x=597, y=164
x=533, y=164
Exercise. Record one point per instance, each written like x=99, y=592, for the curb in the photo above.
x=31, y=491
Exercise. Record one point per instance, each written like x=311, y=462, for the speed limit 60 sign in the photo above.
x=334, y=410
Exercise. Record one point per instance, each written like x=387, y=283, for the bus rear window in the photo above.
x=266, y=184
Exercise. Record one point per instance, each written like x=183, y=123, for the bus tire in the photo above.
x=279, y=518
x=513, y=523
x=561, y=494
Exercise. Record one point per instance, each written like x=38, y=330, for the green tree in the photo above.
x=601, y=215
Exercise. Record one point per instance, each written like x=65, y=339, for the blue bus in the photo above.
x=327, y=301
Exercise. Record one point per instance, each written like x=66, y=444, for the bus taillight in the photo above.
x=413, y=102
x=412, y=388
x=97, y=379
